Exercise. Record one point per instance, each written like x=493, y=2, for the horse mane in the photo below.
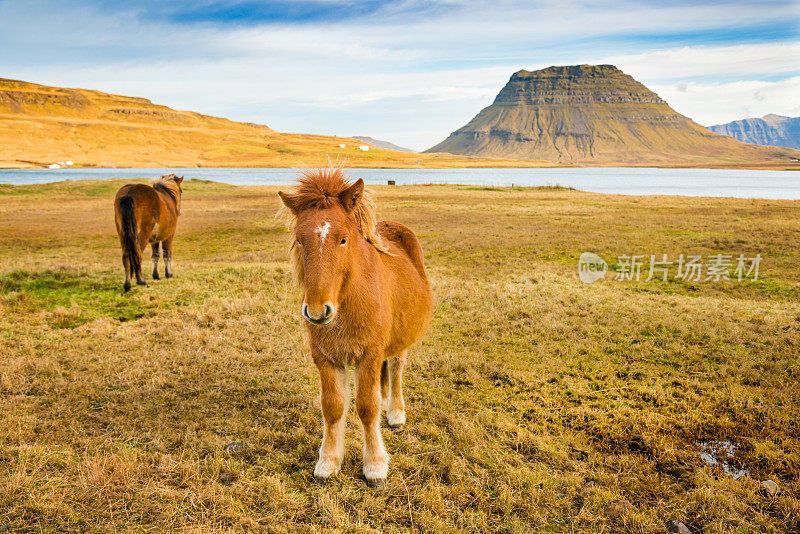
x=320, y=188
x=168, y=185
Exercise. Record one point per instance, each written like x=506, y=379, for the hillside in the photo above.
x=593, y=114
x=773, y=130
x=382, y=144
x=40, y=125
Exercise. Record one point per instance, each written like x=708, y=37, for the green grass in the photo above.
x=77, y=297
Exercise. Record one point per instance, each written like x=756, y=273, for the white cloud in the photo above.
x=409, y=78
x=721, y=61
x=717, y=103
x=701, y=81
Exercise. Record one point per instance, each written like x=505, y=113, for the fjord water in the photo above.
x=614, y=180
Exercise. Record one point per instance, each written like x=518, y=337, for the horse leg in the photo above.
x=167, y=245
x=156, y=256
x=334, y=398
x=368, y=398
x=126, y=263
x=139, y=275
x=396, y=411
x=385, y=385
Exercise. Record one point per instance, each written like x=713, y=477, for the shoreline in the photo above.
x=753, y=166
x=56, y=186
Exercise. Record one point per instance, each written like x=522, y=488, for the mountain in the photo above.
x=774, y=130
x=594, y=114
x=377, y=143
x=40, y=125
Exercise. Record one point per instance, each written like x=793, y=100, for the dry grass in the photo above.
x=522, y=398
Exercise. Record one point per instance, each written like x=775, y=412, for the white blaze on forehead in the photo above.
x=323, y=231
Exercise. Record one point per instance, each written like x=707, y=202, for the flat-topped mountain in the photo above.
x=41, y=125
x=773, y=130
x=593, y=114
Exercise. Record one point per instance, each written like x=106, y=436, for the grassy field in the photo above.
x=524, y=400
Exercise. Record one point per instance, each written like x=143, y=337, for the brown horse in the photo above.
x=147, y=214
x=366, y=301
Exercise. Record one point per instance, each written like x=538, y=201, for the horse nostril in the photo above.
x=324, y=315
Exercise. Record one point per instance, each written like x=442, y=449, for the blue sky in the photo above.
x=408, y=71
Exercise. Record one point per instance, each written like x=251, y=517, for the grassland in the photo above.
x=522, y=399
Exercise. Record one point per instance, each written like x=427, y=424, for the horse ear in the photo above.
x=179, y=179
x=289, y=201
x=350, y=196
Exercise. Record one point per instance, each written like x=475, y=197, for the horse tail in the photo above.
x=129, y=236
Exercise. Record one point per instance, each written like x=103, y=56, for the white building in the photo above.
x=365, y=148
x=54, y=166
x=342, y=145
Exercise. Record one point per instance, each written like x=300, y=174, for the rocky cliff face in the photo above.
x=773, y=130
x=590, y=114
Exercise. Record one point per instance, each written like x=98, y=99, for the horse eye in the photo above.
x=297, y=241
x=343, y=241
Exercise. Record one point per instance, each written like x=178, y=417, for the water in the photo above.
x=615, y=180
x=722, y=453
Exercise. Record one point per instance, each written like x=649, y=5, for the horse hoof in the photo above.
x=169, y=275
x=377, y=483
x=126, y=288
x=397, y=428
x=396, y=418
x=320, y=481
x=156, y=277
x=325, y=469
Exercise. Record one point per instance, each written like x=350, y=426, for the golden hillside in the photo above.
x=40, y=125
x=595, y=114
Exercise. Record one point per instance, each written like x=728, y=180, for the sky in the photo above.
x=407, y=71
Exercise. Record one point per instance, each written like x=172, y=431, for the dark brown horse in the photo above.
x=366, y=301
x=147, y=214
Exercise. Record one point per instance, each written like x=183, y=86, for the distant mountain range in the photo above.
x=381, y=144
x=773, y=130
x=593, y=114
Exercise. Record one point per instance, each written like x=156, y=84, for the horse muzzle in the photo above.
x=319, y=317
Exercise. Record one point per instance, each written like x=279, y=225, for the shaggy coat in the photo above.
x=147, y=214
x=366, y=300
